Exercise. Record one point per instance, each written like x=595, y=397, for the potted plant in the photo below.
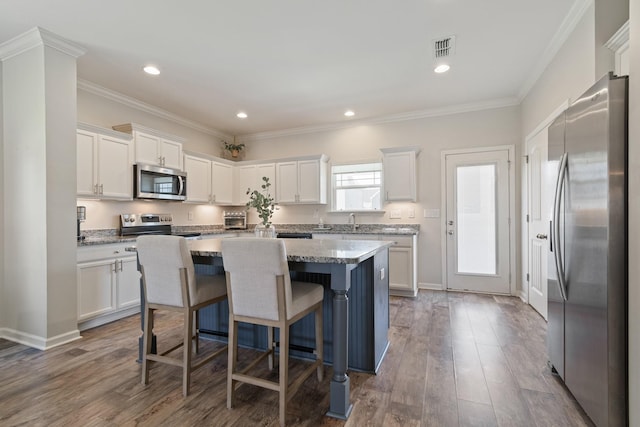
x=263, y=202
x=233, y=148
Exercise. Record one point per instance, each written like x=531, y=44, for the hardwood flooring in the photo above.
x=455, y=360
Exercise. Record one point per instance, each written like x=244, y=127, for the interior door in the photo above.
x=539, y=216
x=477, y=221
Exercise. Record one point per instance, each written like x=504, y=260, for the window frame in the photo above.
x=377, y=167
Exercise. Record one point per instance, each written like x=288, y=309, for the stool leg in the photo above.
x=232, y=350
x=197, y=332
x=284, y=371
x=188, y=348
x=146, y=342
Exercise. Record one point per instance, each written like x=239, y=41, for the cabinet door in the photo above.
x=147, y=148
x=115, y=172
x=221, y=183
x=309, y=181
x=401, y=268
x=86, y=156
x=171, y=153
x=244, y=177
x=287, y=182
x=128, y=286
x=198, y=179
x=400, y=176
x=266, y=170
x=96, y=288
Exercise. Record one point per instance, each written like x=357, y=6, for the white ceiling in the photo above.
x=300, y=63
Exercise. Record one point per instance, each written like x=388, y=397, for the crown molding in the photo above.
x=619, y=39
x=38, y=37
x=413, y=115
x=112, y=95
x=567, y=26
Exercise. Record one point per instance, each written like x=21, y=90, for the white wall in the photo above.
x=103, y=112
x=2, y=190
x=467, y=130
x=634, y=216
x=570, y=73
x=39, y=117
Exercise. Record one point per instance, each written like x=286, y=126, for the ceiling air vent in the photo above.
x=444, y=46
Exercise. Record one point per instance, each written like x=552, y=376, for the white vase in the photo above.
x=262, y=231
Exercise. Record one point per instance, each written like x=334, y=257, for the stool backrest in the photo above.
x=166, y=263
x=253, y=267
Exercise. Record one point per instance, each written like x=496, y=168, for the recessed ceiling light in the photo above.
x=442, y=68
x=151, y=69
x=349, y=113
x=241, y=115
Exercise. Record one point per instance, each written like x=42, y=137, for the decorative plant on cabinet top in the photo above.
x=233, y=149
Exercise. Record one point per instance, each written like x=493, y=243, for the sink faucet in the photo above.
x=352, y=220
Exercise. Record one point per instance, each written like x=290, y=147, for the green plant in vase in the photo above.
x=263, y=202
x=233, y=148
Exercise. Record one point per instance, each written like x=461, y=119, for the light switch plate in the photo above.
x=411, y=213
x=395, y=214
x=432, y=213
x=190, y=216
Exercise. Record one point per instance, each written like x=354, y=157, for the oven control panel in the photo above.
x=136, y=220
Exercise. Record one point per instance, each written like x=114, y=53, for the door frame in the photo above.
x=512, y=208
x=526, y=213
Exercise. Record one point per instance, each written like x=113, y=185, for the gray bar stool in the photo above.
x=260, y=292
x=170, y=283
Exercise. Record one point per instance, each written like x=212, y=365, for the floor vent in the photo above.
x=444, y=46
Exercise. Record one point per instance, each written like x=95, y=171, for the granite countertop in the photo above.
x=109, y=236
x=305, y=250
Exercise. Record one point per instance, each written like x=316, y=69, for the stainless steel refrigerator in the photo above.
x=587, y=286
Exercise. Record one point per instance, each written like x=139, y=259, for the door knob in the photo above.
x=541, y=236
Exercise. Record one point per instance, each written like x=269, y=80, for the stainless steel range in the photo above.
x=146, y=223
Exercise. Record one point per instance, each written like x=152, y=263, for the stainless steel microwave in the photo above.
x=159, y=183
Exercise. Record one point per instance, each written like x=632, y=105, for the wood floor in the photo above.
x=455, y=360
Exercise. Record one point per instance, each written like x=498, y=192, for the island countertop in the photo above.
x=307, y=250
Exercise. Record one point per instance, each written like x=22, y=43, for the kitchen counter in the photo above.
x=307, y=250
x=108, y=236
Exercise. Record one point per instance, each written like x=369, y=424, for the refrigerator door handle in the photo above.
x=555, y=235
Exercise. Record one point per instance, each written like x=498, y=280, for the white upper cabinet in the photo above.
x=221, y=183
x=400, y=174
x=250, y=177
x=208, y=181
x=104, y=163
x=154, y=147
x=198, y=179
x=302, y=181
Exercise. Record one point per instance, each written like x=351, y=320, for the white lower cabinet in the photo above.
x=403, y=268
x=108, y=284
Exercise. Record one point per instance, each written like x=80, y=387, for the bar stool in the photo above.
x=260, y=292
x=170, y=283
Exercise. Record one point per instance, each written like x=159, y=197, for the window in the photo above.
x=356, y=187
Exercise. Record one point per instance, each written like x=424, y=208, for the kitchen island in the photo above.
x=356, y=307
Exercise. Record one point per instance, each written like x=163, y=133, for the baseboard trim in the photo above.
x=108, y=318
x=35, y=341
x=431, y=286
x=523, y=296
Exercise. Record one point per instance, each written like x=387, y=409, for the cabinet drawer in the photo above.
x=115, y=250
x=398, y=240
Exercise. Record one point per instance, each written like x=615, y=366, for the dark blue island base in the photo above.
x=368, y=313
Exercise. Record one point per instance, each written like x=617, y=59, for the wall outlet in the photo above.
x=411, y=213
x=395, y=214
x=190, y=216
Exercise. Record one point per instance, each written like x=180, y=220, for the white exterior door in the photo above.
x=478, y=229
x=539, y=216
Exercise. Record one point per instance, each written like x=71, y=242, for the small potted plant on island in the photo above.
x=233, y=148
x=264, y=205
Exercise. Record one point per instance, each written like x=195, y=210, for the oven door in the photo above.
x=235, y=223
x=153, y=182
